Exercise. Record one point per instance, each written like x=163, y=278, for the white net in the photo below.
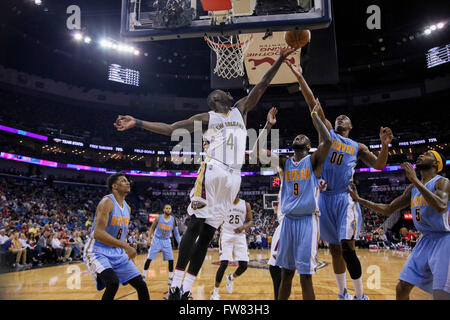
x=230, y=52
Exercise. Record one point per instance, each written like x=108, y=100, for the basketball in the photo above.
x=297, y=38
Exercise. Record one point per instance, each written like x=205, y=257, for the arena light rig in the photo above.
x=433, y=28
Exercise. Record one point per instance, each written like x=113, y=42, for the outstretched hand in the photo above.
x=386, y=136
x=124, y=123
x=271, y=116
x=317, y=106
x=298, y=71
x=410, y=172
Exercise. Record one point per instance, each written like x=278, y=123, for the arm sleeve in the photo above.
x=176, y=233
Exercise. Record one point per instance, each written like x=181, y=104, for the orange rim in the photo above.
x=228, y=45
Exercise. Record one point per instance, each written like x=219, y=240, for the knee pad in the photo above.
x=352, y=261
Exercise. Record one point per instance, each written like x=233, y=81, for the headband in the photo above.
x=439, y=160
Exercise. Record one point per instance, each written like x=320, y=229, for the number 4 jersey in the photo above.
x=227, y=137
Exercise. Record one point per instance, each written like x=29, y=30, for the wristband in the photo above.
x=312, y=113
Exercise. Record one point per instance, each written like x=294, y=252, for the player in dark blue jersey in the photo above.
x=340, y=217
x=428, y=266
x=108, y=256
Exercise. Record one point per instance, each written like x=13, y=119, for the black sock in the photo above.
x=221, y=270
x=147, y=264
x=200, y=248
x=141, y=288
x=275, y=273
x=109, y=278
x=188, y=240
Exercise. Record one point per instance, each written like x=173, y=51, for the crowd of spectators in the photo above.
x=46, y=223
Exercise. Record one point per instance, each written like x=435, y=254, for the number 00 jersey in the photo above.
x=235, y=218
x=118, y=222
x=227, y=137
x=339, y=166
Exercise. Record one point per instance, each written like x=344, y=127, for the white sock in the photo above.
x=216, y=290
x=188, y=282
x=171, y=275
x=231, y=277
x=177, y=278
x=340, y=280
x=359, y=290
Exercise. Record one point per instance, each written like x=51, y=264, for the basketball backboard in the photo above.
x=151, y=20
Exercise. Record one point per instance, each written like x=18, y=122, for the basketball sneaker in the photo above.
x=345, y=295
x=214, y=296
x=186, y=296
x=174, y=293
x=229, y=284
x=364, y=297
x=144, y=276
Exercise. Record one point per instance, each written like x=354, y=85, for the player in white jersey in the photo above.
x=233, y=244
x=275, y=271
x=218, y=179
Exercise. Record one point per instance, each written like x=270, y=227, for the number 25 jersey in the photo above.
x=235, y=218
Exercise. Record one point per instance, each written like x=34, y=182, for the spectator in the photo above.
x=20, y=251
x=3, y=237
x=75, y=245
x=62, y=253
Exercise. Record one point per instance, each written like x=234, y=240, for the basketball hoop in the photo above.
x=230, y=52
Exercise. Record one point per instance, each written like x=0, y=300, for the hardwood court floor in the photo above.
x=63, y=282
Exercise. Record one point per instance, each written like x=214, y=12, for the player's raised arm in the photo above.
x=249, y=102
x=369, y=158
x=398, y=203
x=151, y=231
x=127, y=122
x=248, y=219
x=104, y=210
x=264, y=153
x=308, y=94
x=319, y=156
x=438, y=200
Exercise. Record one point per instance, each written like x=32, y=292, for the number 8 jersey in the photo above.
x=235, y=218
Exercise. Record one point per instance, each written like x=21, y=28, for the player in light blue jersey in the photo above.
x=108, y=256
x=340, y=216
x=428, y=266
x=299, y=236
x=159, y=240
